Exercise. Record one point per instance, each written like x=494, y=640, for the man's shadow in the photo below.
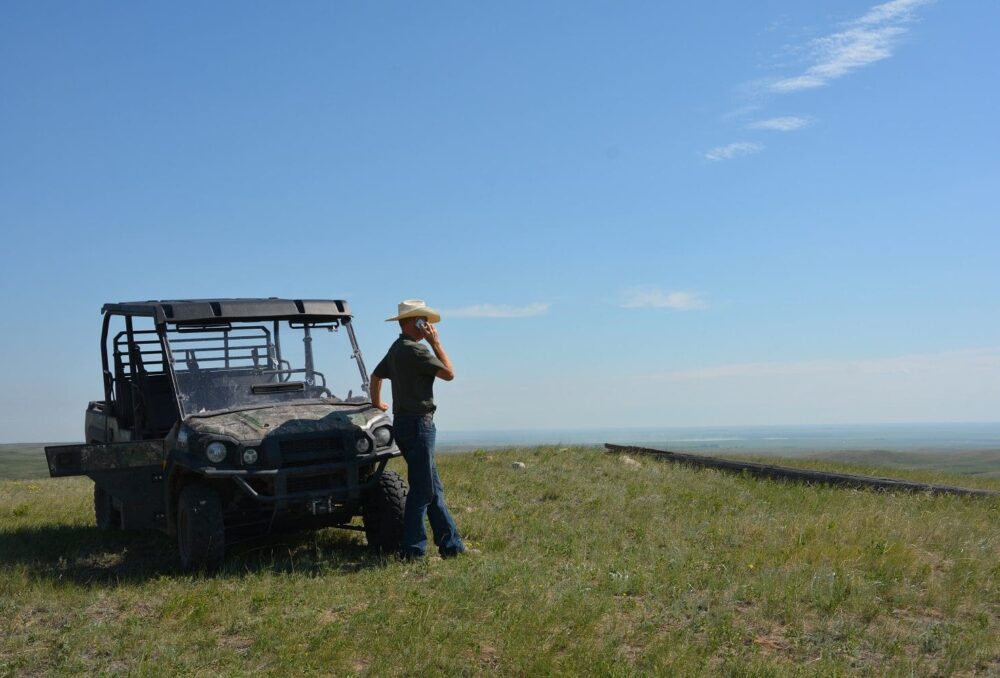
x=91, y=557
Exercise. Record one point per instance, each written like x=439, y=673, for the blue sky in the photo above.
x=630, y=214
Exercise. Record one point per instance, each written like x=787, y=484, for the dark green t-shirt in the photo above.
x=411, y=367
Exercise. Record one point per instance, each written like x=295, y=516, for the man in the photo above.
x=412, y=370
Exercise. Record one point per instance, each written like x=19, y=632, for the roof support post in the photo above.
x=168, y=366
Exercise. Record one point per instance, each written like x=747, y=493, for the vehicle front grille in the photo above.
x=306, y=451
x=300, y=445
x=316, y=483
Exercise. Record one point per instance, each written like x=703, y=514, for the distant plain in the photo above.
x=966, y=449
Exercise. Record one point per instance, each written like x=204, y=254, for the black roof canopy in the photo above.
x=223, y=310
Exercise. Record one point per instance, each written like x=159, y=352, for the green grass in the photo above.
x=985, y=463
x=20, y=461
x=590, y=564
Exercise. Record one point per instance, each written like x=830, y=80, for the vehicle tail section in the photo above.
x=83, y=460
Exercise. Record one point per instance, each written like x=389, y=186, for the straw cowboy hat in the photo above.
x=416, y=308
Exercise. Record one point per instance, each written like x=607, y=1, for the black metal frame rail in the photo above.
x=801, y=475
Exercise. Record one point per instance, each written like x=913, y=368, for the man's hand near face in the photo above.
x=430, y=333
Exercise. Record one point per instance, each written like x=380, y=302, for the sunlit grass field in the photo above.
x=591, y=563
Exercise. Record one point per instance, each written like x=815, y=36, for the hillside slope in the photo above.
x=591, y=563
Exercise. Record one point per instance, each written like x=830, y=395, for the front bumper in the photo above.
x=349, y=489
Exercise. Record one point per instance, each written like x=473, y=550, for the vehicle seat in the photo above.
x=123, y=402
x=159, y=405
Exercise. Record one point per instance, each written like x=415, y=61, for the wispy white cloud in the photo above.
x=741, y=112
x=497, y=311
x=866, y=40
x=649, y=296
x=870, y=38
x=733, y=150
x=787, y=123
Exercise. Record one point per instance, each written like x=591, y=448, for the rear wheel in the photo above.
x=383, y=513
x=201, y=535
x=104, y=511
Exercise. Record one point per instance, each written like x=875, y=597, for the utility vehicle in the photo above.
x=217, y=424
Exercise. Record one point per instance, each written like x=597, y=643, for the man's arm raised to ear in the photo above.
x=431, y=334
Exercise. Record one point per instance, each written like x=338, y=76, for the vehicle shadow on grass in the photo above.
x=90, y=557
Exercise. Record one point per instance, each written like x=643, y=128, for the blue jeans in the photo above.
x=415, y=436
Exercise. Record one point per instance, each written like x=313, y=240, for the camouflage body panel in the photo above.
x=286, y=420
x=74, y=460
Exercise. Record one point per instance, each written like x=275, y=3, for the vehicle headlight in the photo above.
x=249, y=456
x=216, y=452
x=363, y=445
x=383, y=436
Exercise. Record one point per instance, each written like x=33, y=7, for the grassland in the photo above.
x=983, y=463
x=25, y=461
x=22, y=461
x=591, y=563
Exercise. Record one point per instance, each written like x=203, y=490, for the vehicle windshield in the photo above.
x=239, y=365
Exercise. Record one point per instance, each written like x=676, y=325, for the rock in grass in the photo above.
x=518, y=464
x=629, y=461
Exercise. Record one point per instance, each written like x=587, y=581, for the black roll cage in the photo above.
x=269, y=311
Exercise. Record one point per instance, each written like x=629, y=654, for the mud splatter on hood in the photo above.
x=282, y=420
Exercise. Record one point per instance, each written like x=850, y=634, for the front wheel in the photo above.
x=383, y=513
x=201, y=535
